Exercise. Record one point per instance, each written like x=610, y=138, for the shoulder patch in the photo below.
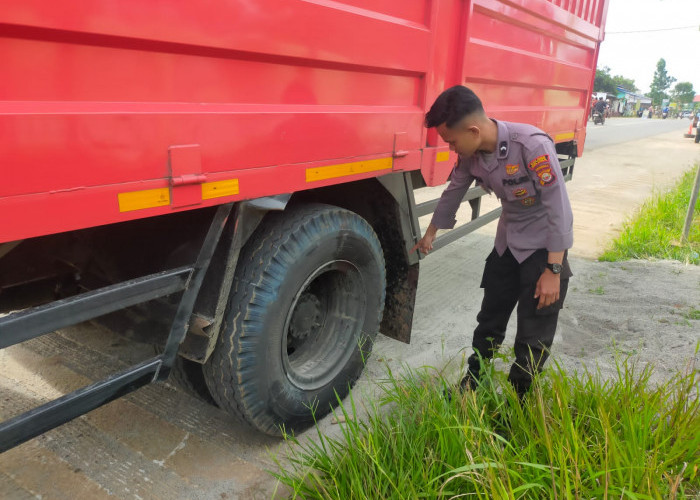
x=543, y=170
x=538, y=161
x=546, y=177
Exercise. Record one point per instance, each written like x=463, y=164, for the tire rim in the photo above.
x=323, y=325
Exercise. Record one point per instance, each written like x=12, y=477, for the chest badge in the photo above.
x=512, y=169
x=520, y=192
x=528, y=202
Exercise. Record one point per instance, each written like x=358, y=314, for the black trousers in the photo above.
x=507, y=283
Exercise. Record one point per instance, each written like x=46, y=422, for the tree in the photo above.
x=662, y=81
x=604, y=82
x=683, y=93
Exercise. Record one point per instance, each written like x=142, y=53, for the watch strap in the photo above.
x=555, y=268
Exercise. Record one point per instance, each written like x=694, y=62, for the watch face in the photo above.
x=556, y=268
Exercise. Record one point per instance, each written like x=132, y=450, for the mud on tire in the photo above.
x=305, y=307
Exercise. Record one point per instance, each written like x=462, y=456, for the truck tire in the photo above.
x=305, y=307
x=187, y=376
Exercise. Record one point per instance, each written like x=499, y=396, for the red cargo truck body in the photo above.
x=111, y=111
x=275, y=143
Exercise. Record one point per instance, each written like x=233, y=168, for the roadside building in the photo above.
x=629, y=103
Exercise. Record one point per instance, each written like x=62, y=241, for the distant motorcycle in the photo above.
x=598, y=117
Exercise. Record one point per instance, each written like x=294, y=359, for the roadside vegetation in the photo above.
x=575, y=436
x=655, y=230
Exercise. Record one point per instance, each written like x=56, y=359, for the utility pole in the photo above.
x=691, y=207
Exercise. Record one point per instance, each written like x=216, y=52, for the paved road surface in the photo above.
x=159, y=443
x=619, y=130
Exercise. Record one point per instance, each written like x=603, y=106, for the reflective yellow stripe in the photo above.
x=563, y=137
x=343, y=169
x=149, y=198
x=442, y=156
x=218, y=189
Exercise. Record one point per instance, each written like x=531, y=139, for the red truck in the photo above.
x=234, y=182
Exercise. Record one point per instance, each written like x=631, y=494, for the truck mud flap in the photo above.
x=27, y=324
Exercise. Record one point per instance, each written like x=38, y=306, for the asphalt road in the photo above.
x=620, y=130
x=159, y=443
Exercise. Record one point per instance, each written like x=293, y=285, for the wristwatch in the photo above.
x=555, y=268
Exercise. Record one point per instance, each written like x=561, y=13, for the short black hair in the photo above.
x=452, y=105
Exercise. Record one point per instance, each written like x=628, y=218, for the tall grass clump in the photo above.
x=655, y=230
x=573, y=437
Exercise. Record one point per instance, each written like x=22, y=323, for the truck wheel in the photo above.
x=187, y=376
x=305, y=307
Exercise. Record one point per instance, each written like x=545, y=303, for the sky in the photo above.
x=634, y=55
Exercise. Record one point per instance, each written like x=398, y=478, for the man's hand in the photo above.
x=547, y=289
x=425, y=244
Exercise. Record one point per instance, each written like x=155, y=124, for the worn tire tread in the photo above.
x=230, y=369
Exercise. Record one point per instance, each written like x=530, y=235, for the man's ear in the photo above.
x=474, y=130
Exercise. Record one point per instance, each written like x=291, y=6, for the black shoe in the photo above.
x=468, y=383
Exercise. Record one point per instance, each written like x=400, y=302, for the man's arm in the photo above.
x=444, y=215
x=549, y=180
x=545, y=171
x=425, y=244
x=548, y=286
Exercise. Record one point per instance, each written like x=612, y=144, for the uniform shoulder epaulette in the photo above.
x=542, y=133
x=517, y=137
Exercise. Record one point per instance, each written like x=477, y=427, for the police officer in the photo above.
x=528, y=265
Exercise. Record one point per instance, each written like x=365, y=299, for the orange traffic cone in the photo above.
x=690, y=131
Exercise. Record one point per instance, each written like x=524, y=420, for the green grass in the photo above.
x=574, y=437
x=692, y=313
x=655, y=230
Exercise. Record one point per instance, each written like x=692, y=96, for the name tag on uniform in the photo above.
x=516, y=181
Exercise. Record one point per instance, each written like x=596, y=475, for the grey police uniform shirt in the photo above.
x=524, y=173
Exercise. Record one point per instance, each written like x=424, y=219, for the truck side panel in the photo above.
x=548, y=84
x=98, y=99
x=95, y=94
x=530, y=61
